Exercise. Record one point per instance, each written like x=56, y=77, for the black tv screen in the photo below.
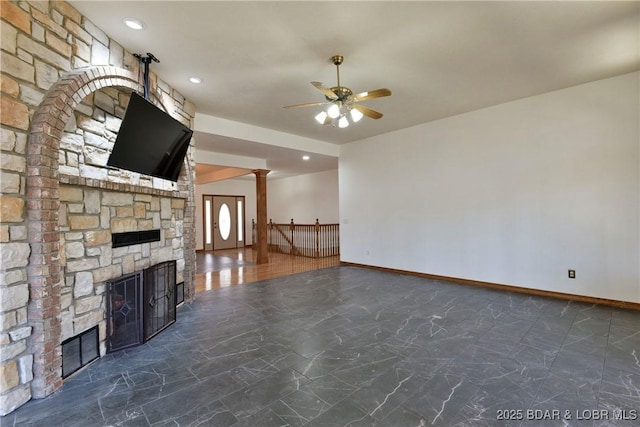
x=150, y=141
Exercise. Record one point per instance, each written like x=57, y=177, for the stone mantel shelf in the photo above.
x=119, y=186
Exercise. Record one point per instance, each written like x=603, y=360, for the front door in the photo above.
x=224, y=222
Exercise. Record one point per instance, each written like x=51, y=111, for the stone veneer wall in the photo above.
x=53, y=58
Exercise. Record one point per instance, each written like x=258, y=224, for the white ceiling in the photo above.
x=438, y=58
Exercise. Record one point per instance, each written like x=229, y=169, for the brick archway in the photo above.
x=43, y=203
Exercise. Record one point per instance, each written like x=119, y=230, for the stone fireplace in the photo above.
x=89, y=219
x=65, y=85
x=75, y=205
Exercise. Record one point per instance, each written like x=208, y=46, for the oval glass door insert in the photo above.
x=224, y=221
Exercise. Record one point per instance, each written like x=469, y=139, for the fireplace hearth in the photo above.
x=140, y=305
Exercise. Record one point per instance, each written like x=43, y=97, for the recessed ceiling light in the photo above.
x=305, y=157
x=195, y=80
x=133, y=23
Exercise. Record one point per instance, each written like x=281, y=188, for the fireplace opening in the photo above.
x=140, y=305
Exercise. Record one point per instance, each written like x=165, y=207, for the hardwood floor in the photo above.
x=247, y=271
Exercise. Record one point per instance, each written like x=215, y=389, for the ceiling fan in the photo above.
x=343, y=105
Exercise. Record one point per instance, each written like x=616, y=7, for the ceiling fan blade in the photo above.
x=367, y=111
x=308, y=104
x=378, y=93
x=325, y=90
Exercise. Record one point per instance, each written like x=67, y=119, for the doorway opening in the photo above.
x=224, y=222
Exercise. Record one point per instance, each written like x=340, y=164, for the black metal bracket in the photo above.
x=146, y=60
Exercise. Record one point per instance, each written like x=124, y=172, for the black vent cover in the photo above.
x=119, y=240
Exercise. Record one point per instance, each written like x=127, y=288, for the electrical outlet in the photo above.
x=572, y=274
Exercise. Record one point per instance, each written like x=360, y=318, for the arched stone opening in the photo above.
x=44, y=272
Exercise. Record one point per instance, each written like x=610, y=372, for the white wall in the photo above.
x=515, y=194
x=304, y=198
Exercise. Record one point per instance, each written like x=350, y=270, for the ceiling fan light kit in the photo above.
x=334, y=111
x=343, y=107
x=356, y=115
x=321, y=117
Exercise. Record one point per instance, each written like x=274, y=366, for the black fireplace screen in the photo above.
x=140, y=305
x=124, y=323
x=159, y=297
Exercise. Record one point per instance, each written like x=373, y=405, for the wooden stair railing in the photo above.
x=308, y=240
x=293, y=250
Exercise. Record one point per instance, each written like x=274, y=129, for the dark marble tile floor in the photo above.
x=345, y=346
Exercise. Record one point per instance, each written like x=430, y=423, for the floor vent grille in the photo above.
x=79, y=351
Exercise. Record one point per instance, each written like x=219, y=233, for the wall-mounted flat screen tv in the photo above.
x=150, y=141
